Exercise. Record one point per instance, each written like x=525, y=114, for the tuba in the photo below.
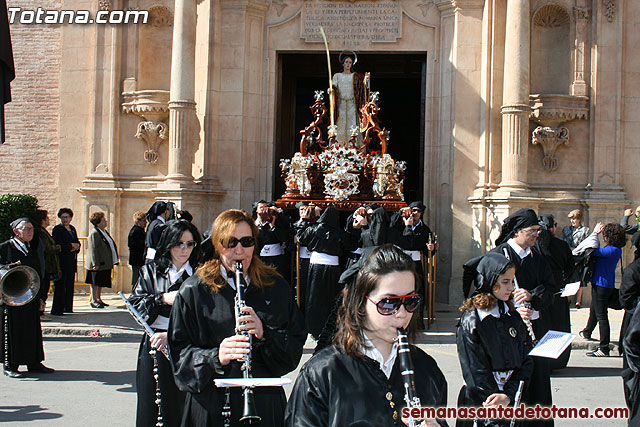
x=19, y=284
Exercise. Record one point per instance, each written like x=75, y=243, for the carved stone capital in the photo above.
x=581, y=13
x=609, y=8
x=550, y=139
x=153, y=133
x=552, y=110
x=149, y=104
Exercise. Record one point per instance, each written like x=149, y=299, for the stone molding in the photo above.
x=149, y=104
x=104, y=5
x=581, y=13
x=160, y=16
x=153, y=133
x=550, y=138
x=609, y=8
x=552, y=110
x=550, y=16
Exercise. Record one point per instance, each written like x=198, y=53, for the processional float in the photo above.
x=346, y=174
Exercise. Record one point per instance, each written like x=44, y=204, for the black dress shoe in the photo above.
x=96, y=305
x=104, y=304
x=57, y=313
x=12, y=373
x=40, y=368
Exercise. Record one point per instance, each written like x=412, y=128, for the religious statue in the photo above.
x=349, y=94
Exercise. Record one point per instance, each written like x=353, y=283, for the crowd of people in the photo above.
x=360, y=285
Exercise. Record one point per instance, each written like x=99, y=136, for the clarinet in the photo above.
x=516, y=402
x=406, y=370
x=249, y=414
x=528, y=324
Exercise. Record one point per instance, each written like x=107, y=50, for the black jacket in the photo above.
x=136, y=242
x=334, y=389
x=65, y=238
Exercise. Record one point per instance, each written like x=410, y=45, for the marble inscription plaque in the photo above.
x=351, y=23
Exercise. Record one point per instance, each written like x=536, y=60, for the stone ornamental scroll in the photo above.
x=351, y=23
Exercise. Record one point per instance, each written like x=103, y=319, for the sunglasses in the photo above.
x=189, y=244
x=246, y=242
x=390, y=305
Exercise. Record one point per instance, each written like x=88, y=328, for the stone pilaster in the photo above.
x=579, y=84
x=515, y=109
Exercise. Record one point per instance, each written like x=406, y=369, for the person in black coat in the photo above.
x=358, y=380
x=303, y=253
x=23, y=332
x=493, y=341
x=136, y=243
x=204, y=342
x=153, y=296
x=327, y=242
x=632, y=355
x=275, y=235
x=535, y=287
x=560, y=259
x=66, y=236
x=629, y=295
x=157, y=217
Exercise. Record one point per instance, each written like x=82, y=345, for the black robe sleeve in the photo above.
x=630, y=286
x=632, y=342
x=146, y=298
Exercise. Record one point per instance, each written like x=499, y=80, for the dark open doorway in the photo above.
x=400, y=79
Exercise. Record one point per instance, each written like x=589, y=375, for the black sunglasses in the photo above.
x=246, y=242
x=390, y=305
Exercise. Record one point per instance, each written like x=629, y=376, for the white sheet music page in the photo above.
x=570, y=289
x=552, y=344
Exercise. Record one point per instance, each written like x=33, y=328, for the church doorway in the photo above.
x=401, y=81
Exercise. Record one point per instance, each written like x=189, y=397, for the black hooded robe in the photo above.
x=280, y=233
x=337, y=390
x=327, y=237
x=201, y=319
x=533, y=273
x=25, y=332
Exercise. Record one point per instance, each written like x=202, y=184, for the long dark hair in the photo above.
x=352, y=315
x=170, y=238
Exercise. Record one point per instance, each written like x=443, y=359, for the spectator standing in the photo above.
x=50, y=263
x=628, y=213
x=603, y=282
x=24, y=346
x=574, y=234
x=66, y=236
x=157, y=216
x=136, y=243
x=102, y=255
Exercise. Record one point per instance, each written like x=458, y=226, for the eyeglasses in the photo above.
x=190, y=244
x=531, y=231
x=390, y=305
x=246, y=242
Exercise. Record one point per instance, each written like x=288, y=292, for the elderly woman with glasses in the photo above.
x=153, y=296
x=204, y=342
x=358, y=380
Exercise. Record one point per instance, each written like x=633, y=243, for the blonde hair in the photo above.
x=576, y=213
x=137, y=216
x=260, y=274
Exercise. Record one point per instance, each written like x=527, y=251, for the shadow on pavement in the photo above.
x=123, y=378
x=26, y=413
x=586, y=372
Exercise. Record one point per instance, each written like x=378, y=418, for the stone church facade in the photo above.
x=523, y=103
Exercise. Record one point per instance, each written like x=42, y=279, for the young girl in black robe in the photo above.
x=493, y=341
x=203, y=340
x=357, y=380
x=153, y=296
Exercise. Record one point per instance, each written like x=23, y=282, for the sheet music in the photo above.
x=251, y=382
x=570, y=289
x=552, y=344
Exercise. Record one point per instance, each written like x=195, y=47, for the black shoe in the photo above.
x=96, y=305
x=584, y=334
x=598, y=353
x=12, y=372
x=104, y=304
x=40, y=368
x=57, y=313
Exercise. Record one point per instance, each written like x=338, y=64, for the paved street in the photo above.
x=94, y=382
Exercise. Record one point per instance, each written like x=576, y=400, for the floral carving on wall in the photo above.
x=609, y=8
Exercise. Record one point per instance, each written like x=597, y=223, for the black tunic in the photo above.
x=280, y=233
x=534, y=274
x=303, y=274
x=632, y=354
x=25, y=333
x=558, y=255
x=154, y=232
x=488, y=345
x=136, y=242
x=201, y=319
x=326, y=237
x=629, y=294
x=337, y=390
x=147, y=299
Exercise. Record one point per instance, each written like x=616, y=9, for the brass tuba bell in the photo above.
x=19, y=284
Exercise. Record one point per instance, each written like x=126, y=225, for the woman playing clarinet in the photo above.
x=358, y=380
x=493, y=341
x=153, y=296
x=203, y=339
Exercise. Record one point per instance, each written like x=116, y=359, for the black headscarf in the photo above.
x=378, y=226
x=486, y=268
x=157, y=209
x=545, y=221
x=518, y=220
x=330, y=217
